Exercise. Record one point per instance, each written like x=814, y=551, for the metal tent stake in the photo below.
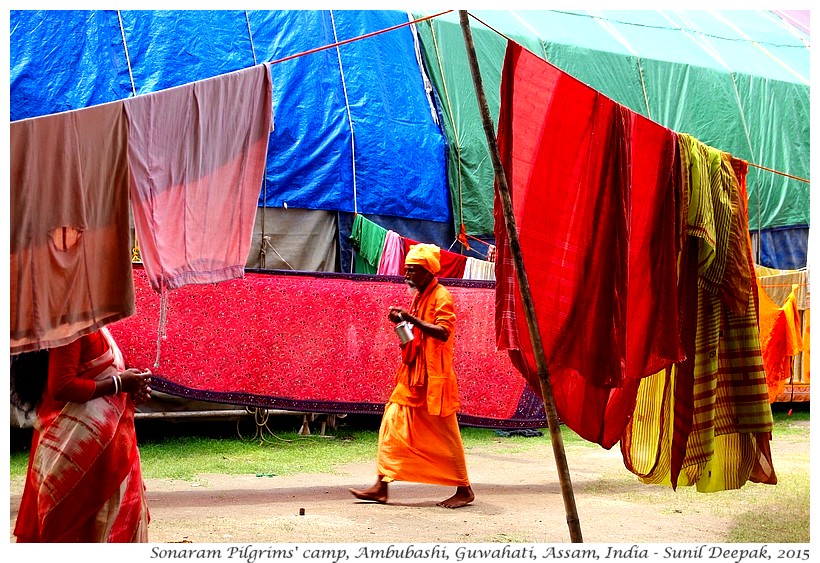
x=535, y=337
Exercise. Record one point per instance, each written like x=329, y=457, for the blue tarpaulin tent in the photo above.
x=387, y=125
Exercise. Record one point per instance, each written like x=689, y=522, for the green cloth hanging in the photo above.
x=368, y=240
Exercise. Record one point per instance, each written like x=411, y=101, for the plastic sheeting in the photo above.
x=721, y=77
x=397, y=149
x=784, y=249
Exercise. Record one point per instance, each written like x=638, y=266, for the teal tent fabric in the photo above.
x=735, y=80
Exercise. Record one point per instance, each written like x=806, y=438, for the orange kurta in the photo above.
x=419, y=438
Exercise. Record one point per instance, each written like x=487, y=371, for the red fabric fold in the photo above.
x=595, y=191
x=452, y=263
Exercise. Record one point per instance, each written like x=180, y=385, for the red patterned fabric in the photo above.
x=310, y=342
x=594, y=189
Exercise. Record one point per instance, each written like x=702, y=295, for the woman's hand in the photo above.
x=136, y=384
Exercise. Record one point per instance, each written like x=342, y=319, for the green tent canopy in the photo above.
x=735, y=80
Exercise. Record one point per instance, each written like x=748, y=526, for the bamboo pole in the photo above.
x=535, y=337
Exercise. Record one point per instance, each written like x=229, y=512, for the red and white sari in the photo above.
x=84, y=482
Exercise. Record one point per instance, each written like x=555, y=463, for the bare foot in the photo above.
x=463, y=497
x=376, y=493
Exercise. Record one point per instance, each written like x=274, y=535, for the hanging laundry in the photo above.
x=368, y=241
x=595, y=190
x=475, y=269
x=70, y=248
x=780, y=338
x=197, y=157
x=392, y=260
x=707, y=421
x=452, y=263
x=778, y=286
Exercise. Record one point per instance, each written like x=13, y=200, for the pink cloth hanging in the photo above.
x=392, y=260
x=70, y=248
x=197, y=156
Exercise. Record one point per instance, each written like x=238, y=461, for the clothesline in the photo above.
x=357, y=38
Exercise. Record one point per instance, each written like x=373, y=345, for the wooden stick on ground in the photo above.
x=535, y=337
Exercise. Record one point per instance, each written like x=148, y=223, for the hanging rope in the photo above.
x=250, y=36
x=163, y=320
x=358, y=38
x=127, y=58
x=798, y=178
x=266, y=243
x=349, y=116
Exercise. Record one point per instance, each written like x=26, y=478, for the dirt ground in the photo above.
x=518, y=499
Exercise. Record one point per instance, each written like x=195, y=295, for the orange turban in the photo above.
x=427, y=256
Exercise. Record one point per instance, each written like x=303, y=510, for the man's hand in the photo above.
x=398, y=314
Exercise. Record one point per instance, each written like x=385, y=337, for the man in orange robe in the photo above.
x=419, y=438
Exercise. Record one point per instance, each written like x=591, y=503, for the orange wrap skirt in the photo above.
x=420, y=447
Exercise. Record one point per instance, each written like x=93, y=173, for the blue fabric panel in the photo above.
x=784, y=248
x=174, y=47
x=310, y=155
x=61, y=60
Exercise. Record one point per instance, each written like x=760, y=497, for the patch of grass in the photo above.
x=18, y=463
x=182, y=457
x=782, y=523
x=283, y=454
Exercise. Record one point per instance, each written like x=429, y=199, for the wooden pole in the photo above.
x=535, y=337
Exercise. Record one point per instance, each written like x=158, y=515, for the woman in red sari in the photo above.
x=84, y=482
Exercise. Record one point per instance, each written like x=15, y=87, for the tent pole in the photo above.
x=535, y=337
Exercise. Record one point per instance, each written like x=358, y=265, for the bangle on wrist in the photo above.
x=116, y=384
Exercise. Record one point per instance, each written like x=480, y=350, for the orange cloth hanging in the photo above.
x=780, y=339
